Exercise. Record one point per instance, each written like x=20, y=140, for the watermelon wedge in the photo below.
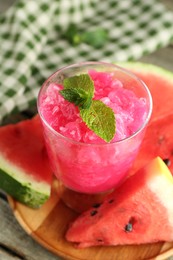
x=24, y=168
x=160, y=84
x=139, y=211
x=158, y=139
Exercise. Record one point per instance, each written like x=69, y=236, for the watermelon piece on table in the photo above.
x=25, y=173
x=139, y=211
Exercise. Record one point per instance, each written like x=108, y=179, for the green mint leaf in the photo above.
x=100, y=119
x=78, y=96
x=86, y=103
x=96, y=38
x=73, y=35
x=82, y=81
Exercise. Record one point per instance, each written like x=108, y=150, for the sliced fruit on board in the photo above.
x=24, y=168
x=160, y=84
x=139, y=211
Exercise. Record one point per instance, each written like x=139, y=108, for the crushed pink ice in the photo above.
x=63, y=116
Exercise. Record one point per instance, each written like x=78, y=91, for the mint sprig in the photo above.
x=100, y=118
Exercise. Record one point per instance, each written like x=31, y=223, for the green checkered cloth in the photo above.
x=33, y=46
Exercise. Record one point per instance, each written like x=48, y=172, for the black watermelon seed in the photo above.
x=128, y=227
x=111, y=201
x=167, y=161
x=99, y=240
x=93, y=212
x=97, y=205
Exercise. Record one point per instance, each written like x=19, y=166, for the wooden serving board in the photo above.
x=48, y=225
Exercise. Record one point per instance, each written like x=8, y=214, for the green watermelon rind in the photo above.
x=16, y=183
x=147, y=68
x=22, y=192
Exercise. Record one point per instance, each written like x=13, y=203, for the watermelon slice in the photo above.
x=160, y=84
x=139, y=211
x=24, y=168
x=158, y=139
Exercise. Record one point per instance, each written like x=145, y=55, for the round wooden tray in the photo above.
x=48, y=224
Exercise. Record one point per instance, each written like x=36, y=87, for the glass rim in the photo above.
x=104, y=64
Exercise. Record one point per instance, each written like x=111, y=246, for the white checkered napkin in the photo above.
x=33, y=46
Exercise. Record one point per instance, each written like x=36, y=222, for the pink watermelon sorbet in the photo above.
x=80, y=159
x=63, y=116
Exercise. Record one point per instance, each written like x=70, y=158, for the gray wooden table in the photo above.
x=14, y=242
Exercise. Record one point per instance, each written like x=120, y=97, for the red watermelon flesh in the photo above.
x=158, y=141
x=24, y=167
x=160, y=84
x=139, y=211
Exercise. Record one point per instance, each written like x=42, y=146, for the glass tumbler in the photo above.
x=86, y=172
